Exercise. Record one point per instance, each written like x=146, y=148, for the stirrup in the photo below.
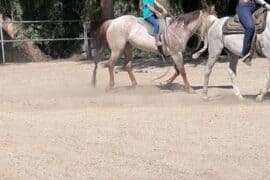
x=247, y=59
x=158, y=43
x=162, y=55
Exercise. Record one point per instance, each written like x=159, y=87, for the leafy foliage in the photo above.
x=89, y=10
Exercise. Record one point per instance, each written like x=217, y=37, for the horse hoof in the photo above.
x=191, y=91
x=259, y=98
x=134, y=86
x=195, y=56
x=164, y=84
x=93, y=84
x=108, y=89
x=241, y=98
x=206, y=98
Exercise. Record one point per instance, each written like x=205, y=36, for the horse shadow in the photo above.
x=254, y=96
x=176, y=86
x=156, y=61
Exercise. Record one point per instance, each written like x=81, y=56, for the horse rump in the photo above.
x=101, y=42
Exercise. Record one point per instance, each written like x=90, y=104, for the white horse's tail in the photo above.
x=101, y=42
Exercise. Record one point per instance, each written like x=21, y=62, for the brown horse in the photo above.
x=124, y=33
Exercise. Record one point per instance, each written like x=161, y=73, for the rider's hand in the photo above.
x=165, y=12
x=159, y=15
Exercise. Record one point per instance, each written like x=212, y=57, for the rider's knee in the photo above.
x=250, y=28
x=156, y=27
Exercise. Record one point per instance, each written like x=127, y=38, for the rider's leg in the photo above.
x=155, y=23
x=244, y=12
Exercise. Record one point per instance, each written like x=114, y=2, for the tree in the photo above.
x=106, y=9
x=191, y=5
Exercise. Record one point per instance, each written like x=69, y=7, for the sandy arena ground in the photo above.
x=54, y=126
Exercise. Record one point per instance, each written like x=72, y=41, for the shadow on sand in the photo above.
x=176, y=87
x=254, y=96
x=156, y=62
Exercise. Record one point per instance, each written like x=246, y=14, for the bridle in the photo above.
x=193, y=31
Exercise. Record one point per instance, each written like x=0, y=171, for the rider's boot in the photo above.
x=159, y=47
x=158, y=42
x=248, y=57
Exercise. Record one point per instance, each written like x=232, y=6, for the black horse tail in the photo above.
x=101, y=42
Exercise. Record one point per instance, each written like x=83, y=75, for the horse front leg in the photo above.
x=232, y=75
x=214, y=49
x=264, y=91
x=207, y=72
x=128, y=64
x=179, y=64
x=197, y=54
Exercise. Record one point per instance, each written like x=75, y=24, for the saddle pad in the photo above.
x=149, y=27
x=233, y=26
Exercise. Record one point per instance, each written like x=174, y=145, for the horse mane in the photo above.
x=206, y=24
x=187, y=17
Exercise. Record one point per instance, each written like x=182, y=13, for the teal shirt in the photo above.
x=146, y=11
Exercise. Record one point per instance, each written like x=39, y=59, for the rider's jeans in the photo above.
x=155, y=23
x=244, y=12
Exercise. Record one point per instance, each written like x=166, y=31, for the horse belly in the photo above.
x=234, y=43
x=139, y=38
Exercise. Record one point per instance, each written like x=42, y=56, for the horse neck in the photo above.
x=193, y=26
x=186, y=31
x=206, y=24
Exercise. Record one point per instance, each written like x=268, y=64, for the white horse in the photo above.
x=233, y=43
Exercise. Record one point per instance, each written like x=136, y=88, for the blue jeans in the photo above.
x=244, y=12
x=153, y=20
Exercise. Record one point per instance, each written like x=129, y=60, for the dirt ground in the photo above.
x=54, y=126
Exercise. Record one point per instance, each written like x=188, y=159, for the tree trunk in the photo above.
x=189, y=5
x=106, y=9
x=32, y=52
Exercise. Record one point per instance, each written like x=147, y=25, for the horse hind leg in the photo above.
x=264, y=91
x=179, y=63
x=232, y=74
x=111, y=63
x=128, y=64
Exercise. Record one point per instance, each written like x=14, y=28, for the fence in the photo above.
x=88, y=41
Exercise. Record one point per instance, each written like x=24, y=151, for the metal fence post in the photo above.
x=2, y=43
x=85, y=25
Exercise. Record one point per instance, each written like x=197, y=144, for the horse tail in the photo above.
x=101, y=42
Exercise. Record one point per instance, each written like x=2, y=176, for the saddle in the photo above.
x=148, y=26
x=233, y=25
